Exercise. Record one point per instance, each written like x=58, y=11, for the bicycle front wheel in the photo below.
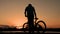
x=41, y=26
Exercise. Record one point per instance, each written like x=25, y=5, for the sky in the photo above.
x=12, y=12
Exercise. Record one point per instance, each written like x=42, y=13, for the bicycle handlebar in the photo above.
x=36, y=19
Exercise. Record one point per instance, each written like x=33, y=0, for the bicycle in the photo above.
x=37, y=26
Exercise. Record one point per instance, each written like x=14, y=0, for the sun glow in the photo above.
x=17, y=22
x=18, y=27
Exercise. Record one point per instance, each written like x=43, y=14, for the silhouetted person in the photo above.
x=30, y=14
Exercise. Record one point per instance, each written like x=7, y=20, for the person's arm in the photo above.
x=25, y=13
x=35, y=13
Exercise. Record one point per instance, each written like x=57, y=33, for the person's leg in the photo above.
x=32, y=26
x=29, y=24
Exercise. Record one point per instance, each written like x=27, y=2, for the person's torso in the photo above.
x=30, y=11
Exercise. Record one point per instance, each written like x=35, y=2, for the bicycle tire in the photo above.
x=24, y=26
x=41, y=26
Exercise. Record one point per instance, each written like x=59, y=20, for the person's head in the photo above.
x=30, y=5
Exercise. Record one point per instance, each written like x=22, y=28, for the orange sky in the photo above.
x=12, y=12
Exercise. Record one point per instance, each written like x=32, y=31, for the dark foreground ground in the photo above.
x=6, y=29
x=14, y=31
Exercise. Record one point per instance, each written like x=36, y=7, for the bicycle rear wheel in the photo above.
x=41, y=26
x=25, y=27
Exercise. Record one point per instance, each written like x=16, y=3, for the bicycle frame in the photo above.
x=37, y=24
x=35, y=20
